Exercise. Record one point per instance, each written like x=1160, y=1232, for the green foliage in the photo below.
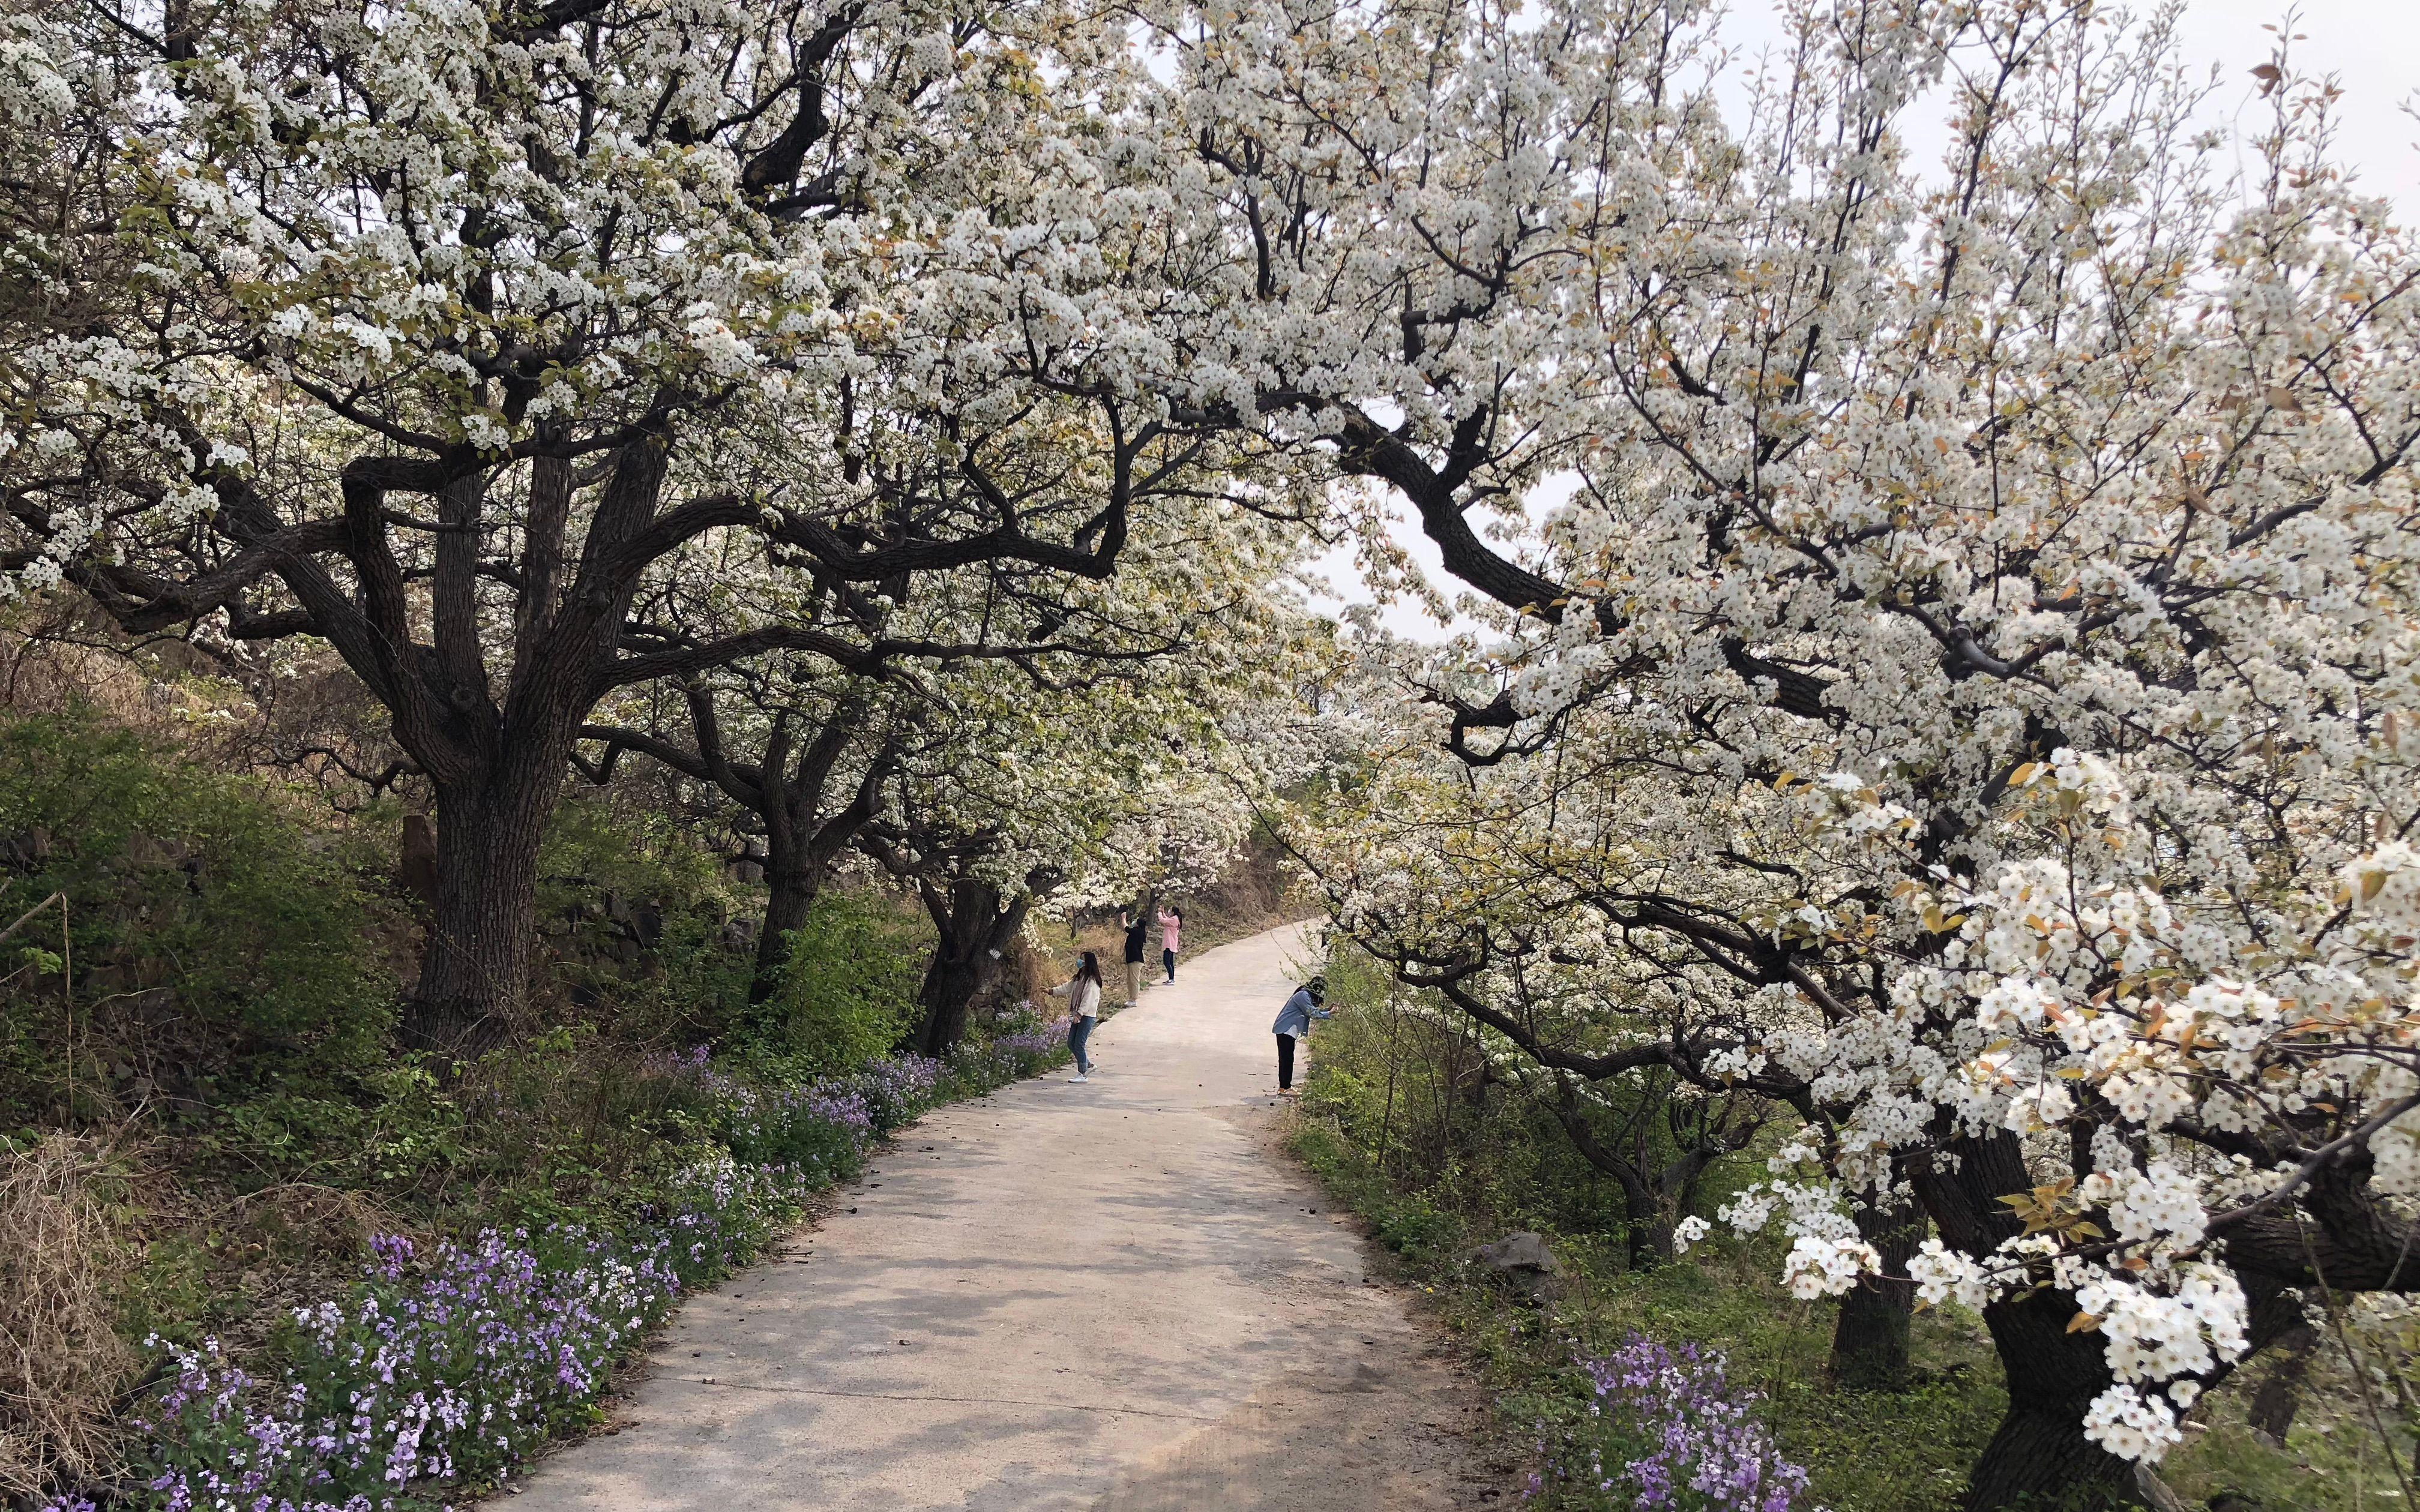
x=636, y=916
x=568, y=1125
x=1407, y=1222
x=172, y=1294
x=2335, y=1458
x=1867, y=1451
x=1406, y=1082
x=237, y=956
x=994, y=1053
x=1904, y=1451
x=848, y=989
x=592, y=848
x=220, y=944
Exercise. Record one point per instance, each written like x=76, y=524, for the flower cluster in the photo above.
x=447, y=1368
x=443, y=1368
x=1666, y=1430
x=2065, y=835
x=894, y=1093
x=822, y=1130
x=1011, y=1054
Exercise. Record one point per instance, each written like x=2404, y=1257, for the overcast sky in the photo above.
x=2372, y=47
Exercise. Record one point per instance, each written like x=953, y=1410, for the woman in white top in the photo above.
x=1083, y=994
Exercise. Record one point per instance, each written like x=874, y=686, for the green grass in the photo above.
x=2332, y=1459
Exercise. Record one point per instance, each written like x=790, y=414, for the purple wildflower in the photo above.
x=454, y=1364
x=1667, y=1432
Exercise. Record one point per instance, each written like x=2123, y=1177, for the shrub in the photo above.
x=1417, y=1227
x=896, y=1091
x=847, y=988
x=449, y=1369
x=636, y=914
x=218, y=944
x=1019, y=1047
x=819, y=1128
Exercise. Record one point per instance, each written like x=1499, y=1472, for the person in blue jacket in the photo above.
x=1293, y=1021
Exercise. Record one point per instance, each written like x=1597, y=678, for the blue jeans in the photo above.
x=1077, y=1032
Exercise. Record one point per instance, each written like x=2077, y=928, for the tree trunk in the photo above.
x=975, y=926
x=474, y=978
x=2039, y=1459
x=790, y=896
x=1649, y=1228
x=1869, y=1337
x=1648, y=1220
x=952, y=983
x=799, y=848
x=2280, y=1392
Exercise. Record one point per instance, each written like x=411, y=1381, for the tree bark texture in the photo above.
x=952, y=983
x=790, y=893
x=975, y=925
x=1870, y=1336
x=2038, y=1456
x=474, y=975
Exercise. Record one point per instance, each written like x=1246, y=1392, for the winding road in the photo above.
x=1118, y=1296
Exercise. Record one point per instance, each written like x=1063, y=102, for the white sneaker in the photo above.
x=1079, y=1076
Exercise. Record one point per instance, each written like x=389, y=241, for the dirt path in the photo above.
x=1114, y=1297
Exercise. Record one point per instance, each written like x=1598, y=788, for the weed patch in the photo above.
x=61, y=1363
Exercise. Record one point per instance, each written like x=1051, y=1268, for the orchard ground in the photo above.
x=1119, y=1295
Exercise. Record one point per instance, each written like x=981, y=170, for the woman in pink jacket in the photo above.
x=1170, y=921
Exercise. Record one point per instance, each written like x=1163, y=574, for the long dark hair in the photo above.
x=1089, y=969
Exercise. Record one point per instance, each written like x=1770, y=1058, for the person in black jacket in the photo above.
x=1137, y=927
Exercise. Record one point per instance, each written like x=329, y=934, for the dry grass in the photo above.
x=62, y=1365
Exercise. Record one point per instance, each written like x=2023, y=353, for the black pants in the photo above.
x=1285, y=1061
x=1168, y=959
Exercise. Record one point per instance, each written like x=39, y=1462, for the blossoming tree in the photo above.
x=1014, y=797
x=808, y=750
x=803, y=759
x=419, y=329
x=1976, y=628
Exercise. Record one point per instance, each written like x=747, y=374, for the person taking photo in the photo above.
x=1137, y=929
x=1293, y=1023
x=1083, y=994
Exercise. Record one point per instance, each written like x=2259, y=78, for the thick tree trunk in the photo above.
x=1869, y=1337
x=952, y=983
x=1649, y=1225
x=2040, y=1457
x=474, y=978
x=790, y=896
x=975, y=925
x=2039, y=1460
